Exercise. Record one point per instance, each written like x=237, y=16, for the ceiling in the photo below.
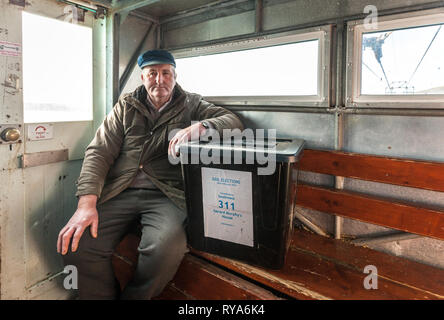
x=160, y=8
x=165, y=8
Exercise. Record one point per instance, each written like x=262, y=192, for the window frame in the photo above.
x=321, y=33
x=355, y=29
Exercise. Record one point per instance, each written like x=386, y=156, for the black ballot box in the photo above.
x=238, y=197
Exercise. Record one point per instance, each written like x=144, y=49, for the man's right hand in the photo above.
x=85, y=215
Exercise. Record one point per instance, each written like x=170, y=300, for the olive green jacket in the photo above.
x=130, y=139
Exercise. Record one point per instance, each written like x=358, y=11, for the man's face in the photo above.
x=159, y=80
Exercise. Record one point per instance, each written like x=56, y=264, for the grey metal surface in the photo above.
x=124, y=6
x=397, y=136
x=293, y=13
x=229, y=26
x=316, y=129
x=132, y=32
x=212, y=11
x=47, y=209
x=112, y=58
x=167, y=8
x=124, y=76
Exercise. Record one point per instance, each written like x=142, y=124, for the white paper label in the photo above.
x=227, y=197
x=40, y=131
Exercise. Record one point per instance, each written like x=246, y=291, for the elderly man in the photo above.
x=126, y=177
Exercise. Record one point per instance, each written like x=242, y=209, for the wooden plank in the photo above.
x=172, y=293
x=45, y=157
x=376, y=210
x=124, y=259
x=396, y=269
x=409, y=173
x=307, y=276
x=197, y=279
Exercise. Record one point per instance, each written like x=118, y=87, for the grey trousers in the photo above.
x=161, y=249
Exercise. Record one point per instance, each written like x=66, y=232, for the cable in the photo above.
x=372, y=71
x=436, y=33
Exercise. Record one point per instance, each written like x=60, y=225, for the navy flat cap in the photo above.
x=152, y=57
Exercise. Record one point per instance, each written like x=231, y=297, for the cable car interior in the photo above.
x=362, y=84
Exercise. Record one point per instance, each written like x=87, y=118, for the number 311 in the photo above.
x=226, y=205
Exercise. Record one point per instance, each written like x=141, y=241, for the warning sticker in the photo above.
x=228, y=205
x=40, y=131
x=10, y=49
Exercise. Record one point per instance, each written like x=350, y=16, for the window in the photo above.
x=400, y=62
x=284, y=69
x=57, y=70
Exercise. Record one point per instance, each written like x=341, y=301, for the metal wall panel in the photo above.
x=397, y=136
x=230, y=26
x=132, y=31
x=135, y=37
x=316, y=129
x=49, y=202
x=291, y=13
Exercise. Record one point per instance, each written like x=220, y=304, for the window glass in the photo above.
x=57, y=70
x=282, y=70
x=403, y=62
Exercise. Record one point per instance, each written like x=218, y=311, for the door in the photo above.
x=41, y=155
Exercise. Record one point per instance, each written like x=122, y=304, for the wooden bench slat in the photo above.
x=172, y=293
x=409, y=272
x=376, y=210
x=309, y=275
x=410, y=173
x=197, y=279
x=272, y=278
x=124, y=259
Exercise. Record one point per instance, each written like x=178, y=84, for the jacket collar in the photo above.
x=138, y=99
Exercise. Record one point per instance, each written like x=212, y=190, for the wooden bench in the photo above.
x=319, y=267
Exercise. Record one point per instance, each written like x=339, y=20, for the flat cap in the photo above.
x=152, y=57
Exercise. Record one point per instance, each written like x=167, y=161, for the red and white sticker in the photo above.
x=10, y=49
x=40, y=131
